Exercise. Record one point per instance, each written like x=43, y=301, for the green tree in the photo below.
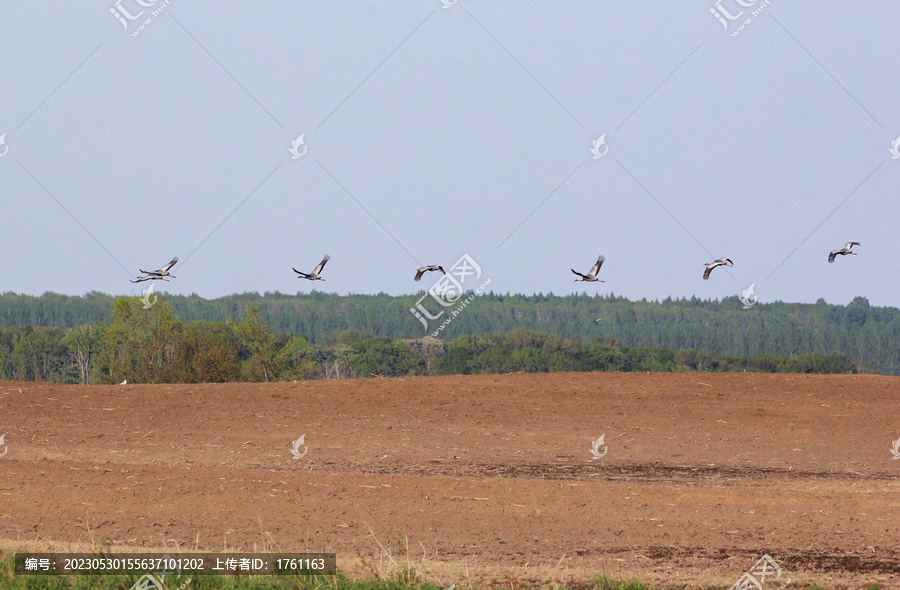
x=206, y=352
x=458, y=358
x=260, y=341
x=41, y=356
x=298, y=359
x=82, y=343
x=383, y=357
x=428, y=349
x=139, y=344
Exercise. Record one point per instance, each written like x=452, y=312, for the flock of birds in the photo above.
x=591, y=276
x=163, y=274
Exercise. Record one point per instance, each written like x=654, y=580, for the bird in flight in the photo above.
x=158, y=275
x=843, y=251
x=425, y=269
x=591, y=276
x=314, y=275
x=711, y=265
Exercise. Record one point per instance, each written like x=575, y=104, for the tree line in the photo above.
x=868, y=334
x=153, y=345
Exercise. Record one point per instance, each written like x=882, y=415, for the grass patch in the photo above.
x=405, y=579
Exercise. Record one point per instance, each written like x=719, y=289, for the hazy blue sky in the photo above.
x=432, y=132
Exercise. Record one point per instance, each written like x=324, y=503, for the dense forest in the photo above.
x=152, y=345
x=101, y=339
x=868, y=334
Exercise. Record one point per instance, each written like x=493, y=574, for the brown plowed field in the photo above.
x=478, y=481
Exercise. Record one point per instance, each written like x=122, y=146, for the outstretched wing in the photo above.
x=578, y=273
x=303, y=275
x=596, y=268
x=151, y=277
x=428, y=268
x=168, y=267
x=849, y=245
x=706, y=273
x=833, y=255
x=321, y=265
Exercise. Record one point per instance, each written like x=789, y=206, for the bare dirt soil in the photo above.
x=481, y=481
